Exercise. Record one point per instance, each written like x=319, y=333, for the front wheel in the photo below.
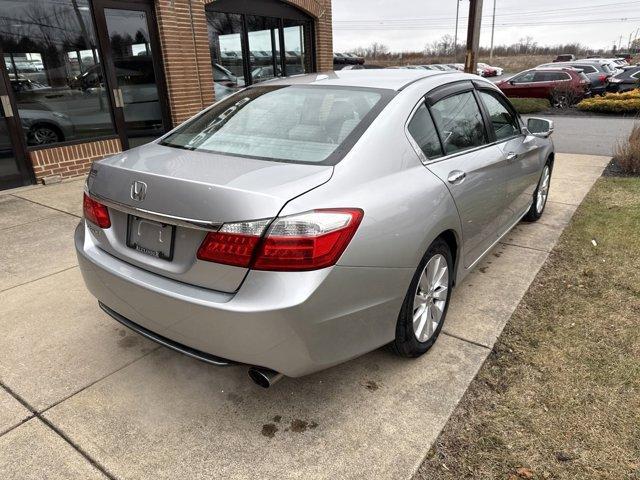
x=425, y=306
x=540, y=196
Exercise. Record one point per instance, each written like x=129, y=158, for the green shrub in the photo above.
x=628, y=102
x=530, y=105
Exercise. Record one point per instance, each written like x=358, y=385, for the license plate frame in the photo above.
x=137, y=227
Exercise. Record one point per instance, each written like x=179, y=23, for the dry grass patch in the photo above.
x=559, y=396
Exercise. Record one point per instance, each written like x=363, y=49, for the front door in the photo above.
x=133, y=66
x=14, y=171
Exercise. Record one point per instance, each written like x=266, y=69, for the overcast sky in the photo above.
x=411, y=24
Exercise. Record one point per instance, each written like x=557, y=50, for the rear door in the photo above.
x=471, y=169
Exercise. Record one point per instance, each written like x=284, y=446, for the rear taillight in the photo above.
x=307, y=241
x=95, y=212
x=602, y=78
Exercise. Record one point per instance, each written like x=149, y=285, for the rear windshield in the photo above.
x=296, y=123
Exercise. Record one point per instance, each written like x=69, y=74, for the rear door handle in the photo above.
x=512, y=156
x=455, y=177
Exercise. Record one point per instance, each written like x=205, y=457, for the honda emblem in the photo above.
x=138, y=191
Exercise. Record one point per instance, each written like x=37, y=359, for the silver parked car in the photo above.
x=305, y=221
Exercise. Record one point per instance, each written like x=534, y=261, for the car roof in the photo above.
x=389, y=78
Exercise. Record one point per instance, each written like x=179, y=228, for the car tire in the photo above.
x=540, y=196
x=425, y=306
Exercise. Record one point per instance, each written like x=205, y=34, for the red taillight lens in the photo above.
x=227, y=248
x=95, y=212
x=602, y=78
x=308, y=241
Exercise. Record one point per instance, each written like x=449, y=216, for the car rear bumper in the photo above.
x=292, y=322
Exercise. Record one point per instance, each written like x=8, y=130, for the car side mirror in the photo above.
x=540, y=127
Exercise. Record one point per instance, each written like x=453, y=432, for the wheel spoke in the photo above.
x=440, y=293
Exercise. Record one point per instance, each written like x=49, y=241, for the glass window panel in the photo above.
x=424, y=132
x=504, y=122
x=49, y=48
x=131, y=52
x=264, y=60
x=225, y=45
x=296, y=61
x=302, y=124
x=460, y=123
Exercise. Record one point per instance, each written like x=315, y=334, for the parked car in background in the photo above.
x=597, y=73
x=562, y=86
x=625, y=81
x=457, y=66
x=626, y=56
x=565, y=57
x=303, y=222
x=492, y=71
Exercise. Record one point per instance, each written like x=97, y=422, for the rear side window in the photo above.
x=505, y=124
x=424, y=132
x=460, y=123
x=304, y=124
x=551, y=76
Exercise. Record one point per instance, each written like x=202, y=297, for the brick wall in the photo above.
x=72, y=160
x=185, y=52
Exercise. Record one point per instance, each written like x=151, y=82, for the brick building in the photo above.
x=83, y=79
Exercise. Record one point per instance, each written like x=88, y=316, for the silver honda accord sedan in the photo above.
x=302, y=222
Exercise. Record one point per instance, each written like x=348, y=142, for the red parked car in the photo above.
x=562, y=86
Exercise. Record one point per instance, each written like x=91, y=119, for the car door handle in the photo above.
x=455, y=177
x=512, y=156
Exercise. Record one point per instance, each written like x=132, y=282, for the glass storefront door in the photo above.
x=13, y=169
x=132, y=62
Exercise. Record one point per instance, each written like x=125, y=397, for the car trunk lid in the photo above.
x=178, y=188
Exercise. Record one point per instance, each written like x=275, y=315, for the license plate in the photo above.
x=151, y=238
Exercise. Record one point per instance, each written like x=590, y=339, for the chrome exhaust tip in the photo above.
x=264, y=377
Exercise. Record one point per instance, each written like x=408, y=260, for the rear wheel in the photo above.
x=425, y=306
x=540, y=196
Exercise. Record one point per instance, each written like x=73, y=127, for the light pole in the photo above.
x=473, y=35
x=455, y=38
x=493, y=29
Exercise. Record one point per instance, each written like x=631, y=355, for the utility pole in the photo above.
x=455, y=38
x=493, y=29
x=473, y=35
x=629, y=42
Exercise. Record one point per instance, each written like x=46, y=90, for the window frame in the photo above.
x=445, y=91
x=501, y=99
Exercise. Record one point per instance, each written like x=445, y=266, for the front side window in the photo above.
x=424, y=133
x=302, y=124
x=460, y=123
x=505, y=124
x=53, y=65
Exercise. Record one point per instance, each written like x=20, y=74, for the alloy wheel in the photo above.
x=44, y=136
x=430, y=298
x=543, y=190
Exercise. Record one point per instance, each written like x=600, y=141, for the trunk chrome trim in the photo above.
x=188, y=351
x=158, y=217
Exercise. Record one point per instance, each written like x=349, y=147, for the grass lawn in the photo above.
x=559, y=396
x=530, y=105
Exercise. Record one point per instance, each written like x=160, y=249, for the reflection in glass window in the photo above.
x=424, y=132
x=225, y=45
x=295, y=54
x=459, y=121
x=262, y=41
x=504, y=122
x=49, y=48
x=263, y=33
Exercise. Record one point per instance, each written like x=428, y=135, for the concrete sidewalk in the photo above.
x=82, y=397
